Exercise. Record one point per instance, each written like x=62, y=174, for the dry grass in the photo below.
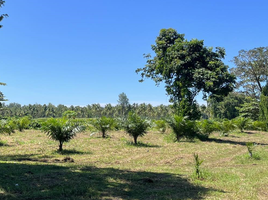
x=114, y=168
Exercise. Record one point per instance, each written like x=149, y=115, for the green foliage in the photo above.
x=135, y=126
x=206, y=127
x=187, y=68
x=259, y=125
x=225, y=126
x=250, y=109
x=251, y=69
x=264, y=105
x=241, y=123
x=7, y=126
x=250, y=146
x=198, y=162
x=182, y=127
x=228, y=107
x=69, y=114
x=62, y=130
x=103, y=124
x=160, y=125
x=23, y=123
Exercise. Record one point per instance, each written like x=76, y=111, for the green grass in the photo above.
x=91, y=167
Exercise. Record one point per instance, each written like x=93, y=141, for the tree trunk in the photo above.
x=103, y=134
x=60, y=146
x=135, y=139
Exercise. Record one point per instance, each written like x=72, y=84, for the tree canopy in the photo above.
x=187, y=68
x=251, y=69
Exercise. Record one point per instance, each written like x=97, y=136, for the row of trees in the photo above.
x=89, y=111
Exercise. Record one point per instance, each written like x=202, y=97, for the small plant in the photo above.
x=206, y=127
x=161, y=126
x=198, y=162
x=69, y=114
x=183, y=127
x=62, y=130
x=103, y=125
x=23, y=123
x=225, y=127
x=241, y=123
x=250, y=146
x=7, y=126
x=135, y=126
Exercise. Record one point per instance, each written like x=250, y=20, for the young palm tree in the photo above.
x=136, y=126
x=62, y=130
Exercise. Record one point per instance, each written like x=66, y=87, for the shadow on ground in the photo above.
x=47, y=181
x=227, y=141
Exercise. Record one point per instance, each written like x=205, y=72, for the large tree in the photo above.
x=187, y=68
x=251, y=70
x=123, y=103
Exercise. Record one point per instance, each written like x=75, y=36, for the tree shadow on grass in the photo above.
x=70, y=152
x=141, y=144
x=28, y=181
x=225, y=141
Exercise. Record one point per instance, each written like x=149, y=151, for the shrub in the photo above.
x=225, y=127
x=135, y=126
x=62, y=130
x=23, y=123
x=160, y=125
x=241, y=123
x=7, y=126
x=182, y=127
x=205, y=127
x=103, y=125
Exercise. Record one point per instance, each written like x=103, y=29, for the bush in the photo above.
x=7, y=126
x=160, y=125
x=241, y=123
x=62, y=130
x=135, y=126
x=103, y=125
x=225, y=127
x=205, y=127
x=183, y=128
x=23, y=123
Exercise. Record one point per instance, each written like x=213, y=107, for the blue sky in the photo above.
x=83, y=52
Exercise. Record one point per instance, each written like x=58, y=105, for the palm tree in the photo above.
x=62, y=130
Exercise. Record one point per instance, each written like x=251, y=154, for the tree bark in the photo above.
x=60, y=146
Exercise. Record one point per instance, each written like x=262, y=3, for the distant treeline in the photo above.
x=89, y=111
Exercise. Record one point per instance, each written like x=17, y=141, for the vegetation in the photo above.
x=197, y=164
x=61, y=130
x=251, y=69
x=183, y=127
x=135, y=126
x=104, y=124
x=187, y=68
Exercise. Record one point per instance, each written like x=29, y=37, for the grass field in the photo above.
x=91, y=167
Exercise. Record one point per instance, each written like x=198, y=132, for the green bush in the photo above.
x=62, y=130
x=103, y=124
x=241, y=123
x=7, y=126
x=182, y=127
x=160, y=125
x=205, y=127
x=225, y=126
x=135, y=126
x=23, y=123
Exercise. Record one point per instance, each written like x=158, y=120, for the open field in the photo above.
x=113, y=168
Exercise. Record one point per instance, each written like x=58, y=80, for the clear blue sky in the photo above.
x=83, y=52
